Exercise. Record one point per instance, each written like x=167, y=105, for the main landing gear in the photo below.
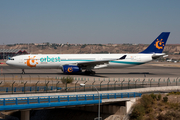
x=90, y=72
x=23, y=72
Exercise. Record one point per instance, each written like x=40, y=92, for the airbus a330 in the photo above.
x=74, y=63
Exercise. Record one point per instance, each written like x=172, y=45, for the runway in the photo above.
x=146, y=70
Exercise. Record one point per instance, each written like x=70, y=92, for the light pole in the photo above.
x=99, y=99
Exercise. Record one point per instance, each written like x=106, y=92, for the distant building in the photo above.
x=11, y=52
x=114, y=45
x=176, y=53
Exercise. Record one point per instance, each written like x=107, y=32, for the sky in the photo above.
x=88, y=21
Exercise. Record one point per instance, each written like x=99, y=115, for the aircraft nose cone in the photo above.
x=8, y=62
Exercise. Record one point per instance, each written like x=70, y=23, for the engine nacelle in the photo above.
x=71, y=69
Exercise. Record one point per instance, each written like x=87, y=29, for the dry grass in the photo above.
x=162, y=110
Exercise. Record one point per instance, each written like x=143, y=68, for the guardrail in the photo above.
x=15, y=103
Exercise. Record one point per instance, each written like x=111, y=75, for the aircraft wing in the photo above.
x=98, y=62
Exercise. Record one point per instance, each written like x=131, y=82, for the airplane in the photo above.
x=74, y=63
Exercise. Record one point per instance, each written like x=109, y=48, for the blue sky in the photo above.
x=88, y=21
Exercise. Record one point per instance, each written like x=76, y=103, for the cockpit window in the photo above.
x=11, y=58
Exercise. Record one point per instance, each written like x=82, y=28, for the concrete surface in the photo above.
x=148, y=70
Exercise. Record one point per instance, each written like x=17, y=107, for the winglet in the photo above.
x=123, y=57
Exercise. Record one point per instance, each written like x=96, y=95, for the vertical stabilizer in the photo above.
x=158, y=44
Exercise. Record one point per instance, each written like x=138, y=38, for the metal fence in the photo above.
x=38, y=84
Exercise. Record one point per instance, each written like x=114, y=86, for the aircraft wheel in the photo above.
x=90, y=72
x=87, y=72
x=23, y=72
x=93, y=72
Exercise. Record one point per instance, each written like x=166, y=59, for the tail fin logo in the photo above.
x=31, y=62
x=70, y=69
x=159, y=44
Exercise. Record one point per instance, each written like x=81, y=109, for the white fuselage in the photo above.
x=56, y=61
x=71, y=63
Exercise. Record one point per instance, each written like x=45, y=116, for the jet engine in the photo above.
x=71, y=69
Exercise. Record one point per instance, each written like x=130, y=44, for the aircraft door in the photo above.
x=21, y=60
x=138, y=58
x=99, y=58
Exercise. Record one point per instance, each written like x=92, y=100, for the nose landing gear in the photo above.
x=23, y=72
